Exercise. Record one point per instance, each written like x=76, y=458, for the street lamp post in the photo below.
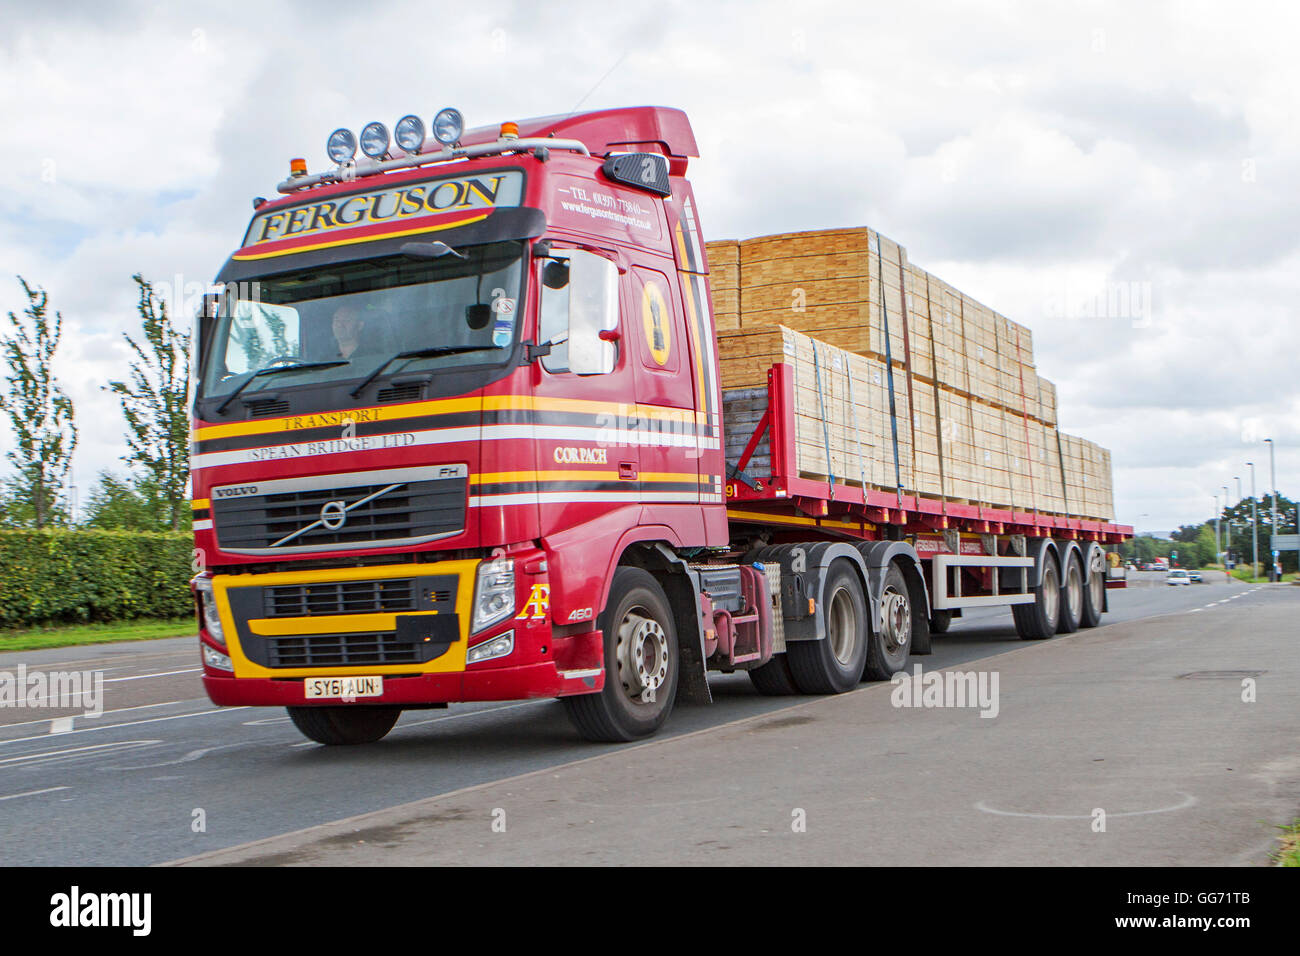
x=1254, y=525
x=1272, y=484
x=1225, y=540
x=1216, y=527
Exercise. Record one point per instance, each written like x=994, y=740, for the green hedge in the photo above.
x=61, y=576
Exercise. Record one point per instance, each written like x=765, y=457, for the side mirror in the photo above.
x=593, y=309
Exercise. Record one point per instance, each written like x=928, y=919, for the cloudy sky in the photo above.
x=1122, y=177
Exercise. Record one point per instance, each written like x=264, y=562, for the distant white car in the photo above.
x=1178, y=576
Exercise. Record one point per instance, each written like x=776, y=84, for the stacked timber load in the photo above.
x=861, y=326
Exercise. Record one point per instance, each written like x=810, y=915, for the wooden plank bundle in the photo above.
x=975, y=422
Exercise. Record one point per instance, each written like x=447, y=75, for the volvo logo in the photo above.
x=334, y=515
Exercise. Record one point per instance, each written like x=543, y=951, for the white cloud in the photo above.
x=1034, y=155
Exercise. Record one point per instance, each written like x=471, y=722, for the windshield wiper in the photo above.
x=419, y=353
x=275, y=370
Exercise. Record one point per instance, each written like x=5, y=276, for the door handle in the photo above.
x=627, y=470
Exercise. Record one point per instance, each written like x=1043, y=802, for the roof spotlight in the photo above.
x=374, y=140
x=448, y=126
x=409, y=133
x=341, y=146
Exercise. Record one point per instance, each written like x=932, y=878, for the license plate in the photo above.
x=343, y=687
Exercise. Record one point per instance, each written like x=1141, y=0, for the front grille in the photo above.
x=338, y=650
x=295, y=519
x=345, y=597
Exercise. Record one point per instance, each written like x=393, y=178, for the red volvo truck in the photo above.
x=458, y=437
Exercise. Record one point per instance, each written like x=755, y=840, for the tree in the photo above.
x=40, y=413
x=118, y=504
x=155, y=406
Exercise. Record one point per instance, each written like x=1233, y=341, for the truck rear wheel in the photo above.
x=774, y=679
x=939, y=621
x=336, y=726
x=890, y=640
x=642, y=664
x=1038, y=620
x=1071, y=596
x=1094, y=587
x=834, y=664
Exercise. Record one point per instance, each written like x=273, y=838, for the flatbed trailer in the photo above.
x=524, y=492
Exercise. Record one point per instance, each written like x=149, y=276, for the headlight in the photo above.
x=341, y=145
x=448, y=126
x=494, y=593
x=208, y=605
x=499, y=646
x=409, y=133
x=214, y=658
x=374, y=140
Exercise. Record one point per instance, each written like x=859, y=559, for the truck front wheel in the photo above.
x=642, y=664
x=344, y=725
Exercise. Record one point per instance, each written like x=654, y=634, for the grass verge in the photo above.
x=1289, y=854
x=73, y=635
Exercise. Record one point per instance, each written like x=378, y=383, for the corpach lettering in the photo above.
x=581, y=456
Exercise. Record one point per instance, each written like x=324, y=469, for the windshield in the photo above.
x=340, y=322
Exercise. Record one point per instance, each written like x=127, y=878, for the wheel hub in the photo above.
x=642, y=656
x=895, y=620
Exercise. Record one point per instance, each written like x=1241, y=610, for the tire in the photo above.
x=1094, y=587
x=1072, y=588
x=642, y=664
x=834, y=664
x=337, y=726
x=774, y=679
x=939, y=622
x=890, y=640
x=1037, y=621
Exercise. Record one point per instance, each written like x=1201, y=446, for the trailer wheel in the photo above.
x=890, y=640
x=834, y=664
x=336, y=726
x=939, y=622
x=774, y=679
x=1094, y=588
x=1038, y=620
x=1071, y=596
x=642, y=664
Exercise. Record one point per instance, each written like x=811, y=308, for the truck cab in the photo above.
x=440, y=391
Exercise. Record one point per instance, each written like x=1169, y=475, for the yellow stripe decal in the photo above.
x=198, y=504
x=330, y=624
x=348, y=242
x=440, y=407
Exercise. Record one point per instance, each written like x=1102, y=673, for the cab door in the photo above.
x=660, y=353
x=586, y=429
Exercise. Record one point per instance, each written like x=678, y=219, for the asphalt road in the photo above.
x=131, y=786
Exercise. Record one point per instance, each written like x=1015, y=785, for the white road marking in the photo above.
x=189, y=670
x=132, y=723
x=31, y=793
x=74, y=753
x=119, y=710
x=61, y=725
x=1187, y=801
